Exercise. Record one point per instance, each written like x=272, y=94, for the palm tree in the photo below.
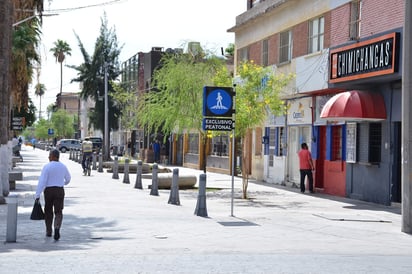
x=39, y=90
x=60, y=50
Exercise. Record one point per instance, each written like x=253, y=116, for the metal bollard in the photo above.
x=126, y=172
x=71, y=154
x=201, y=209
x=11, y=219
x=138, y=183
x=94, y=167
x=100, y=163
x=115, y=168
x=154, y=190
x=174, y=190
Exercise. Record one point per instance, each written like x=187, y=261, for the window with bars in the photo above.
x=355, y=19
x=370, y=142
x=316, y=34
x=375, y=139
x=285, y=46
x=265, y=52
x=336, y=143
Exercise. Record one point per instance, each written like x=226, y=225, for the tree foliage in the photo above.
x=60, y=50
x=63, y=123
x=26, y=38
x=91, y=73
x=176, y=103
x=126, y=102
x=257, y=95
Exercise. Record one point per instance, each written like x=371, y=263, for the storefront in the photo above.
x=361, y=139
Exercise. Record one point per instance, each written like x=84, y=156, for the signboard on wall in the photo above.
x=300, y=111
x=373, y=57
x=351, y=142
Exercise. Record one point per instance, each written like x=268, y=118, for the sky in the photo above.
x=139, y=26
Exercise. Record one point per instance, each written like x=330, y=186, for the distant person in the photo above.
x=305, y=167
x=156, y=150
x=54, y=176
x=87, y=151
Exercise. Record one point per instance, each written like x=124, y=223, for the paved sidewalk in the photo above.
x=111, y=227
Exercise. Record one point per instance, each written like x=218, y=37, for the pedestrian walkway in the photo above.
x=112, y=227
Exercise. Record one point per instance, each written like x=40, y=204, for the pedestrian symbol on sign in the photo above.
x=218, y=101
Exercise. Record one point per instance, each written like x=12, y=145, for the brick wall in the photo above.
x=381, y=15
x=300, y=34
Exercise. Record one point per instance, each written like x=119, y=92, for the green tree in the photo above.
x=91, y=74
x=63, y=124
x=41, y=129
x=26, y=38
x=126, y=102
x=39, y=90
x=257, y=96
x=176, y=104
x=60, y=50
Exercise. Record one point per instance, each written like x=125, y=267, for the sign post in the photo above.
x=218, y=115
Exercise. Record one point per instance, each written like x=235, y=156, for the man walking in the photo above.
x=54, y=176
x=305, y=167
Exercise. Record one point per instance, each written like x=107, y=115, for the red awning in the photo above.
x=354, y=105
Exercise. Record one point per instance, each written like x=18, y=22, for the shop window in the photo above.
x=265, y=53
x=285, y=46
x=220, y=145
x=337, y=143
x=355, y=19
x=244, y=54
x=316, y=34
x=193, y=143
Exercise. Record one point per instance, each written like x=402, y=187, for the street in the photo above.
x=111, y=227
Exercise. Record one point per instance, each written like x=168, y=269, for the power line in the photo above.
x=85, y=7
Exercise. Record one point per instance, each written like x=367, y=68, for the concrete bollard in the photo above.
x=94, y=167
x=11, y=219
x=126, y=172
x=100, y=163
x=138, y=184
x=154, y=190
x=201, y=209
x=115, y=168
x=174, y=190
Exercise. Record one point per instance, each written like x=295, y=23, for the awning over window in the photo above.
x=354, y=105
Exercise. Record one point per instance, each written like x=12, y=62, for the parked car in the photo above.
x=66, y=144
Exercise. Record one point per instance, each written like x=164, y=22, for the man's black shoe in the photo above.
x=56, y=234
x=48, y=234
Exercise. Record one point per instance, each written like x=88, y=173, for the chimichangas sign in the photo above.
x=378, y=56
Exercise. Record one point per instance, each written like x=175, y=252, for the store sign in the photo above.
x=369, y=58
x=299, y=111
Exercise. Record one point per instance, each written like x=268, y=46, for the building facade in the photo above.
x=341, y=52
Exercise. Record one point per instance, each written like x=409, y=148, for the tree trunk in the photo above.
x=6, y=12
x=245, y=170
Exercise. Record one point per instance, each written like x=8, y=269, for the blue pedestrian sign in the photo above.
x=217, y=101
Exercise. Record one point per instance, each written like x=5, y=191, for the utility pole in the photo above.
x=406, y=121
